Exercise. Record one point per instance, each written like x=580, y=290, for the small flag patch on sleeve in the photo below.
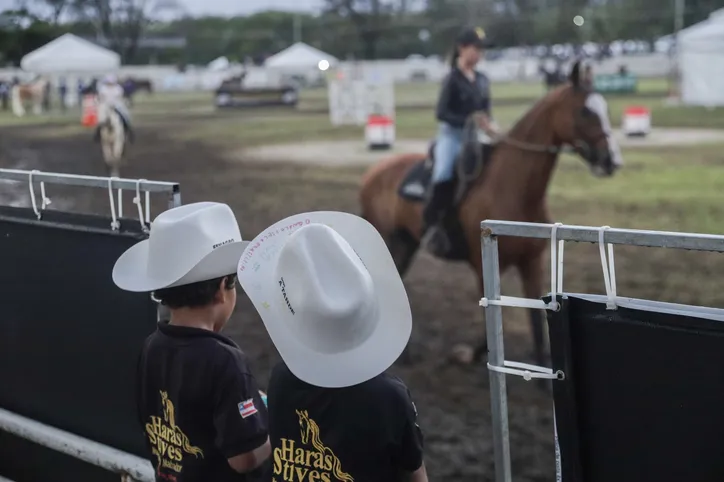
x=247, y=408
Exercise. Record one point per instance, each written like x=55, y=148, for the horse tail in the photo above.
x=16, y=100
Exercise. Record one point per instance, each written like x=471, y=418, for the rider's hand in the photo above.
x=492, y=129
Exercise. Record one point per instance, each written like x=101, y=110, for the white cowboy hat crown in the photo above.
x=330, y=296
x=187, y=244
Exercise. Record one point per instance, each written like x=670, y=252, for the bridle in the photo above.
x=578, y=146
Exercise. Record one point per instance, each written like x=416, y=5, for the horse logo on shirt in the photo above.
x=297, y=464
x=168, y=441
x=310, y=428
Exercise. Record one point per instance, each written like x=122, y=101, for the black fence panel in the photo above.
x=69, y=338
x=643, y=395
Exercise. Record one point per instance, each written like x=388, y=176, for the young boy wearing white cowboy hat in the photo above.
x=331, y=298
x=198, y=402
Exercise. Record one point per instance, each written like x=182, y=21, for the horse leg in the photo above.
x=531, y=273
x=403, y=246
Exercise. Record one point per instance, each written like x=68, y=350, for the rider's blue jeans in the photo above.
x=448, y=146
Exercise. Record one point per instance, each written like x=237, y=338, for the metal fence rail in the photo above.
x=122, y=463
x=90, y=181
x=490, y=231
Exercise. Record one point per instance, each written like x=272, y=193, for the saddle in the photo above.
x=469, y=166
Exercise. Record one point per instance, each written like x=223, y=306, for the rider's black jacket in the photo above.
x=460, y=97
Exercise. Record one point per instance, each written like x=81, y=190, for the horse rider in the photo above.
x=465, y=92
x=111, y=93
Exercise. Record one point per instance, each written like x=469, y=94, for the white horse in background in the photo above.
x=32, y=92
x=112, y=136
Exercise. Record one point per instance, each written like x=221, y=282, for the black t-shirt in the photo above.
x=367, y=432
x=198, y=404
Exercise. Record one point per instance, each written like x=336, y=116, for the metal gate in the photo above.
x=68, y=337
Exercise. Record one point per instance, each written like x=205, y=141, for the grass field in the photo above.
x=182, y=138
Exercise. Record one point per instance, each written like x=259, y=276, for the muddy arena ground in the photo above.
x=452, y=399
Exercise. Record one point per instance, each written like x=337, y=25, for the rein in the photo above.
x=528, y=146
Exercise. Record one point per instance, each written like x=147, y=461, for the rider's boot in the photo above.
x=97, y=134
x=435, y=237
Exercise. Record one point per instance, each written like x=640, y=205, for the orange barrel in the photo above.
x=89, y=117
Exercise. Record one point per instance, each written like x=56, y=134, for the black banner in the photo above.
x=69, y=338
x=643, y=397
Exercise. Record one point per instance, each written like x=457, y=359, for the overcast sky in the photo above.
x=229, y=7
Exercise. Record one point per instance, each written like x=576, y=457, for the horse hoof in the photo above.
x=463, y=354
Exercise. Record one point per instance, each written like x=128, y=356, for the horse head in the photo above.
x=303, y=425
x=581, y=119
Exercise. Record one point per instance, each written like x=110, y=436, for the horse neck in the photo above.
x=523, y=175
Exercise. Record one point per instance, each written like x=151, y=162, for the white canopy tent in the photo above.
x=701, y=62
x=219, y=65
x=299, y=56
x=70, y=54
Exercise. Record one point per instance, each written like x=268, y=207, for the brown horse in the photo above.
x=511, y=185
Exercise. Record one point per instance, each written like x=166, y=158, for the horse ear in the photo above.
x=575, y=76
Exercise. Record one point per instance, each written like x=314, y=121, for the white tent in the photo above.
x=69, y=53
x=218, y=65
x=701, y=62
x=299, y=56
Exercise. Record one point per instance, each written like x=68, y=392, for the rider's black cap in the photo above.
x=474, y=36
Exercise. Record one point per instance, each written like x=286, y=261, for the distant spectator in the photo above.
x=4, y=94
x=62, y=93
x=588, y=76
x=46, y=97
x=80, y=89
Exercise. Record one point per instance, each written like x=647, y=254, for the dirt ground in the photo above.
x=453, y=400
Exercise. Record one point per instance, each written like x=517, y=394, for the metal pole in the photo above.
x=679, y=8
x=496, y=357
x=297, y=28
x=88, y=181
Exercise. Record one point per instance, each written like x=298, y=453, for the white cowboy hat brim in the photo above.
x=393, y=326
x=130, y=271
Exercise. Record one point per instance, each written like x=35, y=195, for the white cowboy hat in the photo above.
x=109, y=79
x=195, y=242
x=330, y=296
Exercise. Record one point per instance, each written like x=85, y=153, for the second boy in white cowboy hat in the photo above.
x=199, y=405
x=329, y=294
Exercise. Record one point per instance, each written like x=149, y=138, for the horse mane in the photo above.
x=528, y=121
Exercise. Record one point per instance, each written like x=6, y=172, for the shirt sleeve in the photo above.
x=240, y=417
x=408, y=455
x=443, y=112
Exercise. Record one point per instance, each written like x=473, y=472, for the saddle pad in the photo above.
x=414, y=186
